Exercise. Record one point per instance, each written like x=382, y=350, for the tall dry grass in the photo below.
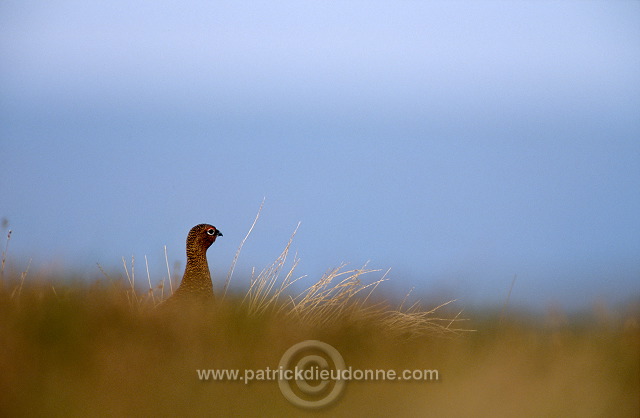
x=341, y=295
x=100, y=348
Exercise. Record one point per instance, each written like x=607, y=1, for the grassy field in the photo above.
x=110, y=347
x=102, y=348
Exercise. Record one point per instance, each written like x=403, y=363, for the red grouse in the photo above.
x=196, y=281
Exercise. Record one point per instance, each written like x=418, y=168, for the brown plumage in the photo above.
x=196, y=281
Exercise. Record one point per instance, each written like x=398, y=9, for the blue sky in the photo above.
x=457, y=143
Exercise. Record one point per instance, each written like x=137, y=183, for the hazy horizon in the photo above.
x=458, y=144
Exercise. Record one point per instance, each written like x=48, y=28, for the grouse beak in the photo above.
x=218, y=233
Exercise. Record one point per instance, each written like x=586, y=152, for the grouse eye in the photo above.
x=211, y=231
